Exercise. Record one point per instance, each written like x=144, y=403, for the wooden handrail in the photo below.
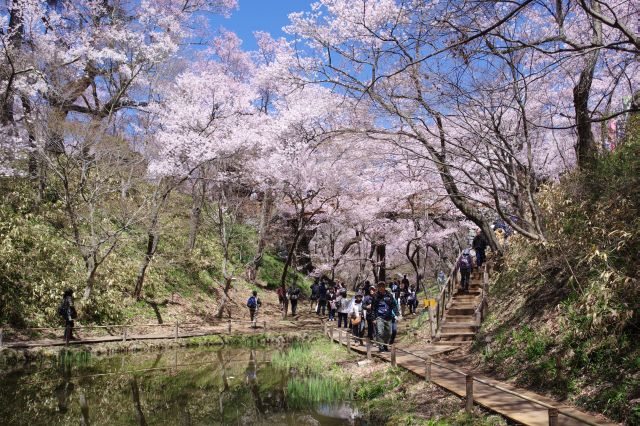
x=445, y=294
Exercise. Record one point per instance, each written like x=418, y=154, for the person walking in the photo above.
x=442, y=280
x=322, y=299
x=412, y=300
x=68, y=312
x=357, y=318
x=405, y=283
x=465, y=263
x=294, y=295
x=314, y=295
x=331, y=300
x=384, y=308
x=344, y=307
x=480, y=245
x=253, y=303
x=367, y=307
x=395, y=289
x=282, y=299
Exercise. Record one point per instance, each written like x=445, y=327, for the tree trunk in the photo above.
x=225, y=297
x=586, y=148
x=92, y=267
x=292, y=251
x=152, y=244
x=152, y=241
x=198, y=195
x=265, y=225
x=381, y=261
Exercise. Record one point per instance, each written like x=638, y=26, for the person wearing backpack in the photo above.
x=385, y=308
x=479, y=245
x=367, y=307
x=395, y=289
x=253, y=303
x=344, y=307
x=322, y=298
x=465, y=264
x=294, y=295
x=282, y=298
x=68, y=312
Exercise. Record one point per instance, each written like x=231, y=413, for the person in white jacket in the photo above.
x=357, y=316
x=344, y=307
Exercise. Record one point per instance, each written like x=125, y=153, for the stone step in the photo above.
x=452, y=343
x=461, y=311
x=457, y=337
x=460, y=327
x=469, y=298
x=449, y=318
x=463, y=305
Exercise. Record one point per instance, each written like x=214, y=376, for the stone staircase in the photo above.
x=462, y=317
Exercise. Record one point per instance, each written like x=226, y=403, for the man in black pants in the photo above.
x=322, y=298
x=367, y=306
x=479, y=245
x=464, y=265
x=294, y=294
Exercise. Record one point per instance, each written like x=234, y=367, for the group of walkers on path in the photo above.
x=372, y=310
x=466, y=263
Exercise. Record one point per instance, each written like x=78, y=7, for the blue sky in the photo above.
x=260, y=15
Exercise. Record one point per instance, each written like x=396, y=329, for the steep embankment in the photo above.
x=565, y=315
x=38, y=261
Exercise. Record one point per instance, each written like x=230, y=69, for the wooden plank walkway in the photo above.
x=487, y=395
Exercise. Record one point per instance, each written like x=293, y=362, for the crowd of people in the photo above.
x=372, y=311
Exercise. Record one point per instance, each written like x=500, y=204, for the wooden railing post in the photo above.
x=348, y=336
x=427, y=369
x=324, y=328
x=553, y=416
x=331, y=333
x=124, y=334
x=339, y=336
x=368, y=348
x=176, y=331
x=265, y=325
x=469, y=383
x=393, y=356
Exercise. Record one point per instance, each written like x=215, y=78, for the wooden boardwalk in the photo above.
x=486, y=392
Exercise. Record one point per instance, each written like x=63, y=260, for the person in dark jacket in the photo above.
x=465, y=264
x=479, y=245
x=68, y=312
x=385, y=308
x=294, y=295
x=367, y=307
x=322, y=298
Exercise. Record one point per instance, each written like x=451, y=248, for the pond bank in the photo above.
x=16, y=356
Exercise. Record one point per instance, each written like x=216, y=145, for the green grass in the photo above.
x=306, y=392
x=313, y=358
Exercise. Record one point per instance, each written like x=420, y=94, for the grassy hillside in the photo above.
x=38, y=261
x=569, y=310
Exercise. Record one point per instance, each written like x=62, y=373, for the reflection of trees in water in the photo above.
x=151, y=388
x=135, y=395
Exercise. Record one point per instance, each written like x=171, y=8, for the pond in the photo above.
x=204, y=386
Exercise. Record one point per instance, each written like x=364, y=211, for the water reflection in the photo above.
x=177, y=388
